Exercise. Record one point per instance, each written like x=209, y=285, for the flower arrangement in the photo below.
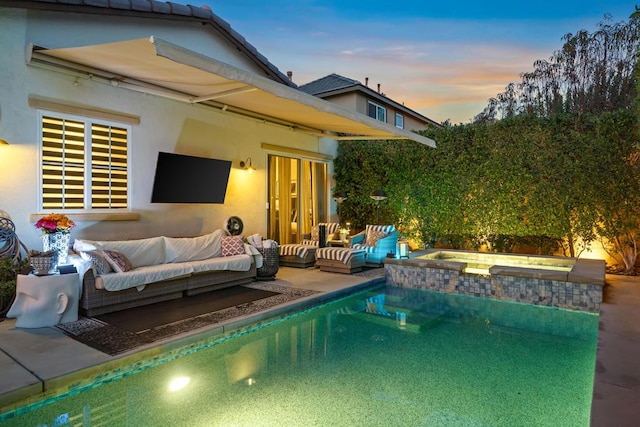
x=55, y=223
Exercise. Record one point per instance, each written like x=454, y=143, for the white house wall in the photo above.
x=165, y=125
x=56, y=30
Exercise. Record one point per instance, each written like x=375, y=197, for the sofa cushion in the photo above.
x=182, y=249
x=140, y=252
x=232, y=245
x=118, y=261
x=139, y=277
x=229, y=263
x=98, y=261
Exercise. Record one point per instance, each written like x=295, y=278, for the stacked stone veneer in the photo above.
x=580, y=289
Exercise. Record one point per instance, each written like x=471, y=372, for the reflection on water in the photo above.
x=412, y=356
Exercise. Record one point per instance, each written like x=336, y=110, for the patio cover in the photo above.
x=155, y=66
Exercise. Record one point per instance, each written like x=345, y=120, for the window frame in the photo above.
x=399, y=121
x=379, y=109
x=88, y=121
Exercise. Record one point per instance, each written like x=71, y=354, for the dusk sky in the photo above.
x=444, y=60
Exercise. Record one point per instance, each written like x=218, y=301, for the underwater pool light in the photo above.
x=179, y=383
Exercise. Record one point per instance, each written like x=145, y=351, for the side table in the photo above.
x=270, y=264
x=45, y=300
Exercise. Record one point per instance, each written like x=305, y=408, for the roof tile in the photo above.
x=328, y=83
x=120, y=4
x=141, y=5
x=97, y=3
x=201, y=12
x=180, y=9
x=160, y=7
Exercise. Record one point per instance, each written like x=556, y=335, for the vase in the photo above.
x=58, y=242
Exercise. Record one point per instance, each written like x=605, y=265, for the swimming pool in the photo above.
x=388, y=356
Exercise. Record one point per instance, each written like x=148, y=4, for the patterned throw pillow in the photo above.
x=373, y=236
x=315, y=233
x=98, y=260
x=117, y=260
x=232, y=245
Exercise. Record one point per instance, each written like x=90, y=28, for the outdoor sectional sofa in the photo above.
x=159, y=269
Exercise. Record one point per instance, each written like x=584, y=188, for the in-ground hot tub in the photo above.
x=572, y=283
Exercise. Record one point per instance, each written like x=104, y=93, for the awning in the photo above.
x=158, y=67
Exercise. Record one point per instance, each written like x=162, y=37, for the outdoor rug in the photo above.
x=118, y=332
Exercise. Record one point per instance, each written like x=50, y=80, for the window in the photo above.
x=84, y=164
x=378, y=112
x=399, y=121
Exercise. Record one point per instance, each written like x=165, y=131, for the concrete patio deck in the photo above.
x=37, y=361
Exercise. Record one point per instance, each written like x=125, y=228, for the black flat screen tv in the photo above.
x=189, y=179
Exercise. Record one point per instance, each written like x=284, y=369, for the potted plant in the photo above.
x=9, y=270
x=56, y=232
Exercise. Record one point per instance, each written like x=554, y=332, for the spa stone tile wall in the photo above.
x=531, y=290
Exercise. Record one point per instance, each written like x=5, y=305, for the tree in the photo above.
x=591, y=73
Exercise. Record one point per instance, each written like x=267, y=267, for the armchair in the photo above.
x=377, y=241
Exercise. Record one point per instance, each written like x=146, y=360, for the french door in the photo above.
x=298, y=197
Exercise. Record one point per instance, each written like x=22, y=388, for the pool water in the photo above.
x=392, y=356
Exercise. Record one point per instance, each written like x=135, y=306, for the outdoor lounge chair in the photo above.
x=303, y=254
x=378, y=241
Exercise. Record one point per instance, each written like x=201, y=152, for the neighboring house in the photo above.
x=92, y=92
x=354, y=95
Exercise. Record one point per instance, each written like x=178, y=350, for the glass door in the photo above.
x=298, y=197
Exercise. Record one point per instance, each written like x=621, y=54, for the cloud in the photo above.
x=443, y=68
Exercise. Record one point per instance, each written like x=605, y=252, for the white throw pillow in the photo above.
x=183, y=249
x=84, y=245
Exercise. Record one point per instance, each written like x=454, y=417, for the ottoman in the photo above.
x=295, y=255
x=340, y=260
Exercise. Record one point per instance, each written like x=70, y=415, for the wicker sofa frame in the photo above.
x=95, y=302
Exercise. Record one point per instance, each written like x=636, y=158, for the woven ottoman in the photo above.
x=340, y=260
x=296, y=255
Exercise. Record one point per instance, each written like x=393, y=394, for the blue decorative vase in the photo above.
x=58, y=242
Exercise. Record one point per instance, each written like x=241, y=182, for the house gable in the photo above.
x=353, y=94
x=183, y=20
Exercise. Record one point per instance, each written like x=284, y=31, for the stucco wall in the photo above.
x=165, y=125
x=357, y=101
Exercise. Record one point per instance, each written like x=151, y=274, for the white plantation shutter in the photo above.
x=70, y=148
x=62, y=163
x=108, y=167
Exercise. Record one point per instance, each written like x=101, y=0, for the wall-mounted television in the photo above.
x=188, y=179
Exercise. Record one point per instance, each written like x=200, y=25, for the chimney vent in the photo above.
x=290, y=75
x=378, y=87
x=366, y=81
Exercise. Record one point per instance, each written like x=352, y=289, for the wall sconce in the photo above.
x=247, y=165
x=378, y=196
